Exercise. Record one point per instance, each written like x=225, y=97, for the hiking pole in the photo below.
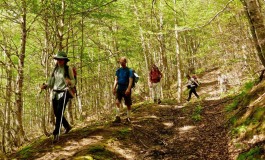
x=62, y=113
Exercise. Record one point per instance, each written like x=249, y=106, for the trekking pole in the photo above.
x=62, y=113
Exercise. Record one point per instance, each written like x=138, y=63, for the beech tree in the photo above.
x=257, y=27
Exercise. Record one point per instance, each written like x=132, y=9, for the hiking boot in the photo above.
x=117, y=120
x=67, y=130
x=55, y=138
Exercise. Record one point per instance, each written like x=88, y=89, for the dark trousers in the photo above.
x=192, y=90
x=58, y=112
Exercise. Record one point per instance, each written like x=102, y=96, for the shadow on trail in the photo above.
x=163, y=131
x=176, y=135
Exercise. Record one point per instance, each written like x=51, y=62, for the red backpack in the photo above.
x=155, y=76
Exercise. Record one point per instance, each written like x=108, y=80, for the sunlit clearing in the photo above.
x=257, y=138
x=168, y=124
x=149, y=116
x=71, y=148
x=185, y=129
x=92, y=139
x=165, y=106
x=178, y=107
x=125, y=152
x=73, y=144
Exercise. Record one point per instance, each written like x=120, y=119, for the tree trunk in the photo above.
x=45, y=63
x=20, y=77
x=178, y=60
x=257, y=26
x=162, y=48
x=8, y=104
x=145, y=50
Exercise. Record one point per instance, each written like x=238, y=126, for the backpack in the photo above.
x=155, y=76
x=72, y=92
x=135, y=78
x=196, y=80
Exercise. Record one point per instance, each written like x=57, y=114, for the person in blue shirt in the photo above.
x=122, y=88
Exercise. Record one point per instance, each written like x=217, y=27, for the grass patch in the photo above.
x=196, y=116
x=252, y=154
x=25, y=153
x=242, y=99
x=169, y=101
x=232, y=106
x=239, y=130
x=258, y=114
x=99, y=152
x=248, y=86
x=123, y=133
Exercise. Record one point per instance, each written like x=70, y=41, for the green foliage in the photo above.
x=26, y=152
x=88, y=157
x=248, y=86
x=243, y=98
x=252, y=154
x=170, y=101
x=239, y=130
x=197, y=113
x=123, y=133
x=96, y=148
x=99, y=152
x=233, y=120
x=258, y=114
x=232, y=106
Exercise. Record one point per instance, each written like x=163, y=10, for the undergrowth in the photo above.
x=252, y=154
x=196, y=116
x=247, y=121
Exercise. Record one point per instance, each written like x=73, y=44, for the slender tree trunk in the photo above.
x=178, y=59
x=45, y=62
x=162, y=48
x=60, y=32
x=143, y=42
x=7, y=109
x=257, y=26
x=20, y=76
x=8, y=102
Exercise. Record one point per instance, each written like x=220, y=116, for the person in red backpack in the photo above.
x=154, y=82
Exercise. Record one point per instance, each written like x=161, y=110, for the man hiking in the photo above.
x=192, y=85
x=122, y=89
x=61, y=80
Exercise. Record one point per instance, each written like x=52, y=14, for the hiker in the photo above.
x=122, y=89
x=60, y=83
x=192, y=85
x=154, y=82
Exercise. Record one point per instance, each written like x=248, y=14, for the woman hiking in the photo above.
x=61, y=80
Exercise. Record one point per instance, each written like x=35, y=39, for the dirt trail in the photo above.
x=166, y=131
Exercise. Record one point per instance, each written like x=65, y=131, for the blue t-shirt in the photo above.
x=123, y=75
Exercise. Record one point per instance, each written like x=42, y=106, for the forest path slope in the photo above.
x=191, y=131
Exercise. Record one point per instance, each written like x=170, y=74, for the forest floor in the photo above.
x=168, y=131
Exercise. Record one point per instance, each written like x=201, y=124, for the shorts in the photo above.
x=127, y=98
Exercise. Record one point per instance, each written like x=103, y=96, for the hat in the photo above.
x=61, y=55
